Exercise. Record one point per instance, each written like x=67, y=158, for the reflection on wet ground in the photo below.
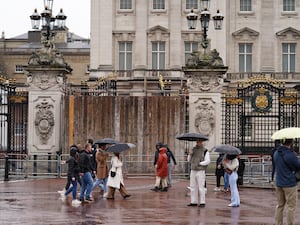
x=37, y=202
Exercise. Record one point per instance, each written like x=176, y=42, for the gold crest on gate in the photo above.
x=261, y=101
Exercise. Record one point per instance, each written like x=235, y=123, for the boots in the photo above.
x=164, y=189
x=155, y=189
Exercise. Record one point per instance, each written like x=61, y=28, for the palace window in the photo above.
x=246, y=5
x=191, y=4
x=158, y=55
x=289, y=5
x=125, y=55
x=245, y=57
x=288, y=57
x=189, y=48
x=125, y=4
x=158, y=4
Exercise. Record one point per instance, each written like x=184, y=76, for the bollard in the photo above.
x=6, y=168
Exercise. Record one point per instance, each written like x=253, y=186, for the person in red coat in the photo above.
x=161, y=170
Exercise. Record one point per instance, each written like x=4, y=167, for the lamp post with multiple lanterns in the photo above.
x=192, y=18
x=48, y=20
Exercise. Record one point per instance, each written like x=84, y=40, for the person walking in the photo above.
x=199, y=158
x=231, y=165
x=171, y=157
x=102, y=169
x=85, y=167
x=93, y=156
x=115, y=178
x=219, y=172
x=73, y=175
x=161, y=170
x=68, y=183
x=286, y=164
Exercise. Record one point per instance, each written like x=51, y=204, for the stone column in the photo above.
x=45, y=106
x=204, y=82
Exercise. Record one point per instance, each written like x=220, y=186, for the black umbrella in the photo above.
x=120, y=147
x=107, y=141
x=227, y=149
x=192, y=137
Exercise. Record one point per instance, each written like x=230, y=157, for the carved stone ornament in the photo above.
x=44, y=120
x=205, y=118
x=203, y=83
x=44, y=81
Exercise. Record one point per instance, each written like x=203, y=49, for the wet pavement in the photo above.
x=37, y=202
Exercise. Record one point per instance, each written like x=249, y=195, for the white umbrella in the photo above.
x=286, y=133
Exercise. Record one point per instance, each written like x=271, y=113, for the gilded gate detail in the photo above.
x=254, y=110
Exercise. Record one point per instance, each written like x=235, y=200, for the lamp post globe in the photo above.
x=192, y=20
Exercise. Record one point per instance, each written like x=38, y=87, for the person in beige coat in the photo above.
x=102, y=169
x=116, y=181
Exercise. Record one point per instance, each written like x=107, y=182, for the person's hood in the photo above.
x=73, y=151
x=163, y=150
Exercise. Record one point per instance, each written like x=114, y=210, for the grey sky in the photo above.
x=14, y=15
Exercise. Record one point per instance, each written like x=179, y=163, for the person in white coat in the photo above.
x=231, y=165
x=116, y=181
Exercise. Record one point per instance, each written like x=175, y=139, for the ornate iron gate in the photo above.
x=255, y=110
x=13, y=118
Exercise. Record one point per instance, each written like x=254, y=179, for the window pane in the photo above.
x=162, y=61
x=125, y=4
x=245, y=57
x=245, y=5
x=191, y=4
x=158, y=4
x=288, y=5
x=158, y=55
x=288, y=57
x=125, y=55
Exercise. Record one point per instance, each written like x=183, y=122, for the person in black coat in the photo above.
x=171, y=157
x=219, y=172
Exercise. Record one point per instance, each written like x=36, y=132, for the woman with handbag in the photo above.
x=115, y=178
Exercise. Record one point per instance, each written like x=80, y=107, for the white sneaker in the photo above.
x=63, y=198
x=76, y=202
x=217, y=189
x=62, y=191
x=105, y=195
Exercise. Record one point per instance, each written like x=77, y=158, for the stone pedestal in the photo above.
x=205, y=88
x=45, y=105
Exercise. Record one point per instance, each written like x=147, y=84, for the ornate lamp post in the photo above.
x=48, y=54
x=48, y=21
x=204, y=19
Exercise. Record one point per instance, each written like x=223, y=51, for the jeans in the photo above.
x=226, y=181
x=169, y=174
x=86, y=185
x=235, y=196
x=72, y=189
x=101, y=183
